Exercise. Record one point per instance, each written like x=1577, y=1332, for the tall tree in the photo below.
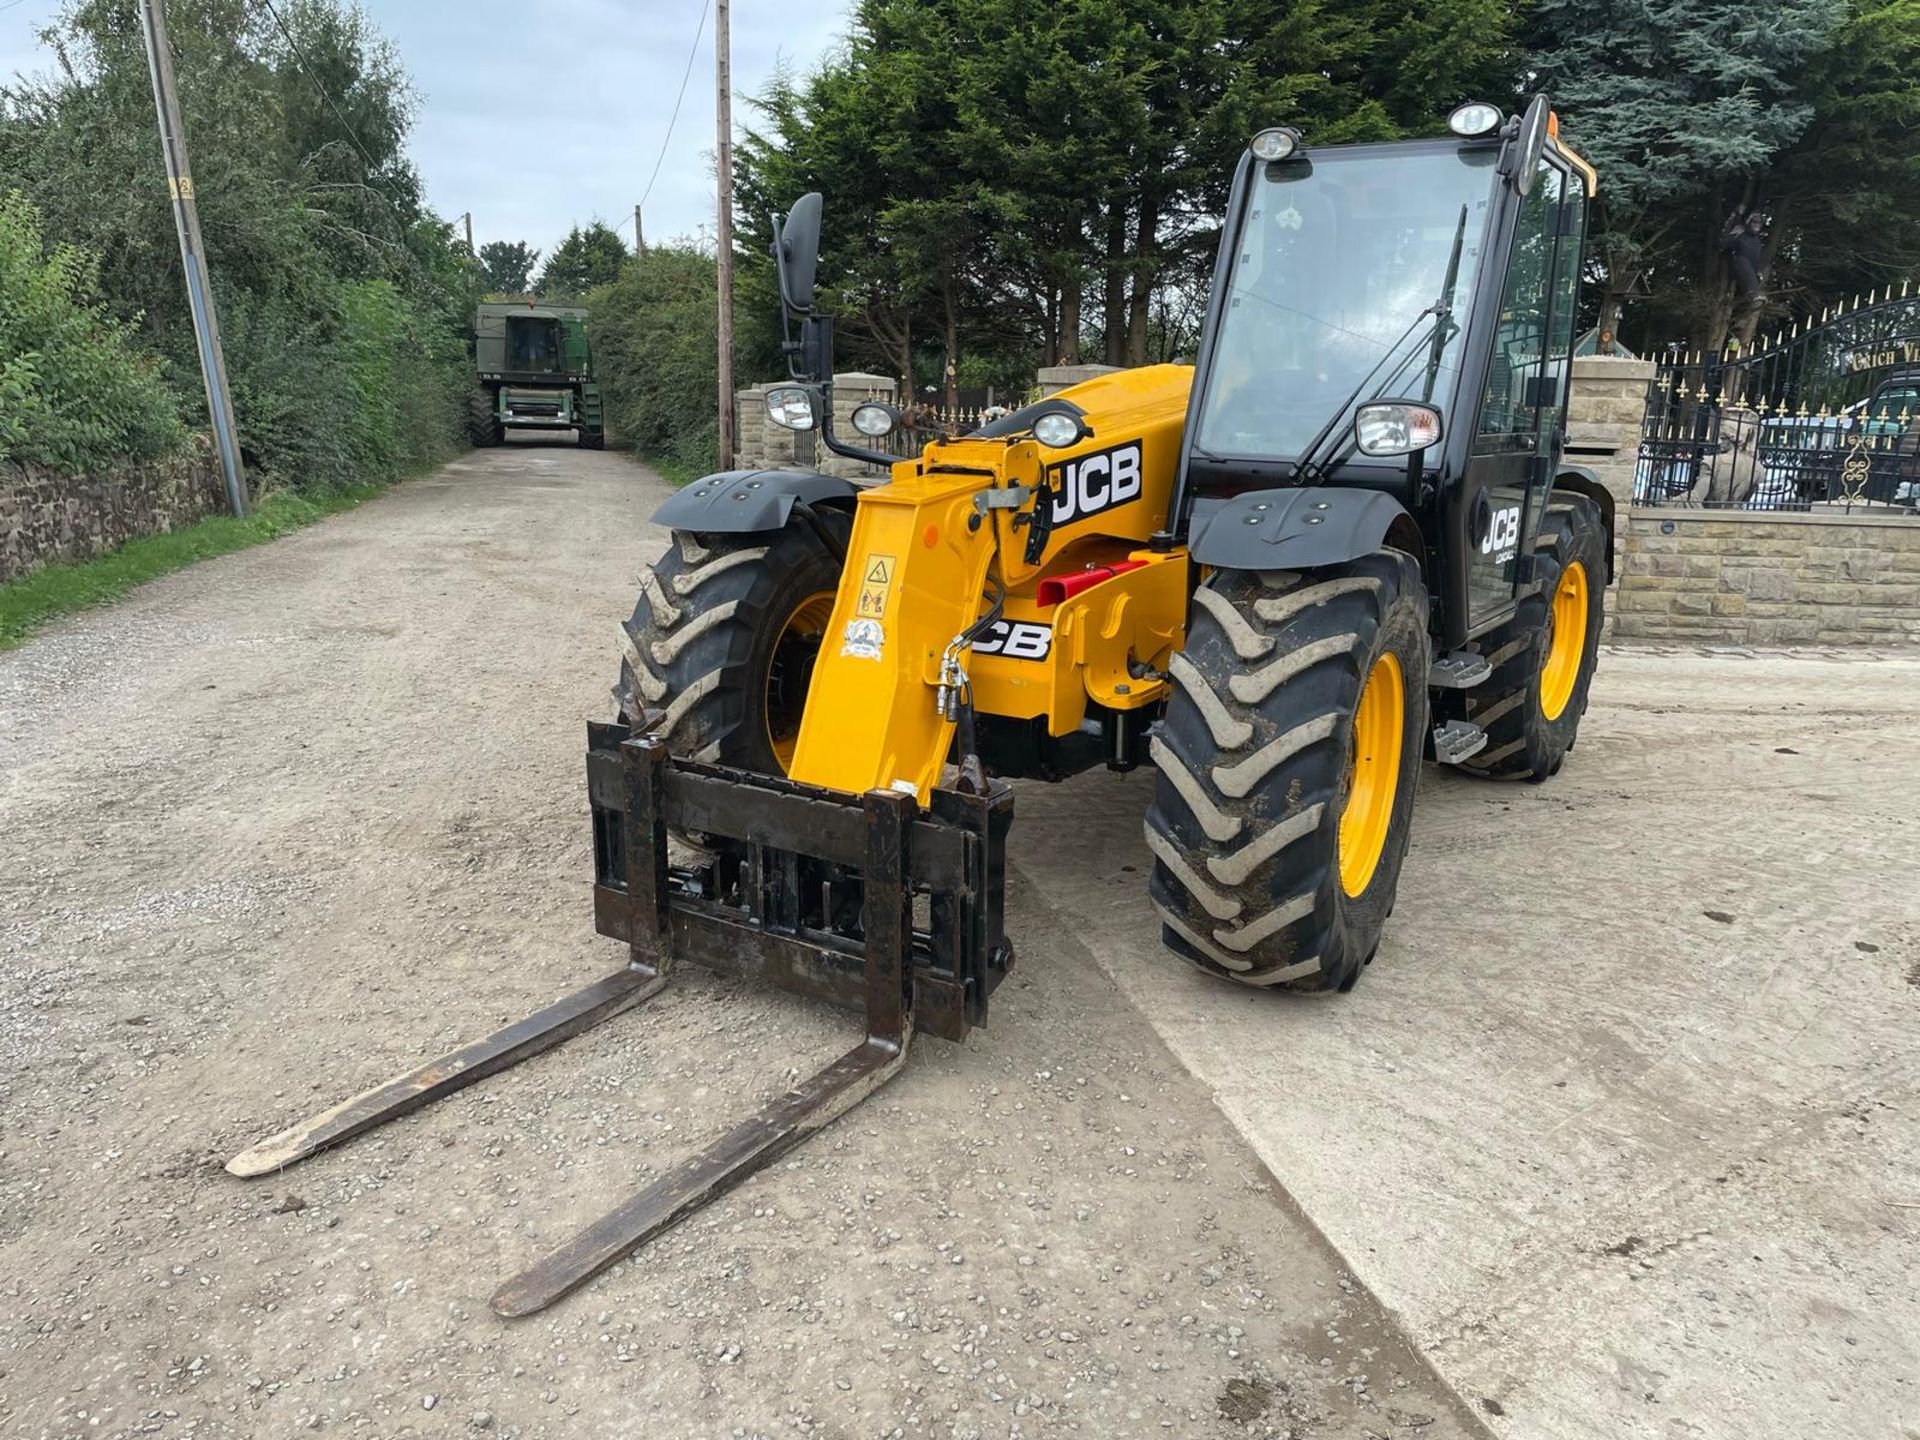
x=995, y=170
x=1683, y=106
x=1844, y=199
x=343, y=302
x=506, y=266
x=588, y=257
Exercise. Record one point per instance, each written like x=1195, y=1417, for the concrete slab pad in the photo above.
x=1623, y=1120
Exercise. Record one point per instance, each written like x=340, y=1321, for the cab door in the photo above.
x=1516, y=438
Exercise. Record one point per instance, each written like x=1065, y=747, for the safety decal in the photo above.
x=863, y=639
x=874, y=587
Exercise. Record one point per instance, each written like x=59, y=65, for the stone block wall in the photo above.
x=1750, y=578
x=46, y=517
x=1603, y=423
x=1055, y=378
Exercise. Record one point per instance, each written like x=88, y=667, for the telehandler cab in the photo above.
x=1343, y=538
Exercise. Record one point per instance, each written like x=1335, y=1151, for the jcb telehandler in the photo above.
x=1343, y=538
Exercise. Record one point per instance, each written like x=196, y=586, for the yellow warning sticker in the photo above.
x=875, y=586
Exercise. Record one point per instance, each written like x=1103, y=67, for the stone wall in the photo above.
x=1734, y=576
x=1750, y=578
x=45, y=517
x=1055, y=378
x=1728, y=577
x=1603, y=424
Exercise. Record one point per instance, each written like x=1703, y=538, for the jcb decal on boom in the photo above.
x=1016, y=639
x=1095, y=483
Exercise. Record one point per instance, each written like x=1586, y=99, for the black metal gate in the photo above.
x=1825, y=416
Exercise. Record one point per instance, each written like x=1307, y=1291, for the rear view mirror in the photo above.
x=791, y=407
x=1395, y=427
x=796, y=253
x=1520, y=161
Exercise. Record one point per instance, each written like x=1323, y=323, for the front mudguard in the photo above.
x=747, y=502
x=1298, y=528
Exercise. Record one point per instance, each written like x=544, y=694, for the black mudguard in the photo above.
x=1583, y=481
x=744, y=502
x=1297, y=528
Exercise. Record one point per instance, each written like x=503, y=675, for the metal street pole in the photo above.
x=723, y=122
x=186, y=219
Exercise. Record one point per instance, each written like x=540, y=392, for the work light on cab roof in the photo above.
x=1475, y=118
x=1277, y=142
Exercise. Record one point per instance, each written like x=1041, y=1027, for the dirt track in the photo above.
x=288, y=822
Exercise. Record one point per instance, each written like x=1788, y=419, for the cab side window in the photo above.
x=1517, y=380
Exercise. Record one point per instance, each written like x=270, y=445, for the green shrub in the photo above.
x=74, y=393
x=354, y=386
x=654, y=345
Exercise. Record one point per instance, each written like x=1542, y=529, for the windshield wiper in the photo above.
x=1306, y=464
x=1440, y=313
x=1444, y=329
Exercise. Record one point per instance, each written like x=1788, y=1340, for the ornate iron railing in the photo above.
x=1823, y=417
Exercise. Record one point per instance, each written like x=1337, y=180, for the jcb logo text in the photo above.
x=1016, y=639
x=1095, y=482
x=1503, y=534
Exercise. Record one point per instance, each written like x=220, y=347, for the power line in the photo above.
x=321, y=90
x=373, y=185
x=11, y=4
x=694, y=50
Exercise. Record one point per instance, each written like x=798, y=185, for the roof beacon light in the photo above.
x=1275, y=144
x=1476, y=117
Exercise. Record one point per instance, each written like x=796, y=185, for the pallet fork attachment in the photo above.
x=807, y=889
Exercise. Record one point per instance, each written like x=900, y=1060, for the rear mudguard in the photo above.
x=745, y=502
x=1299, y=528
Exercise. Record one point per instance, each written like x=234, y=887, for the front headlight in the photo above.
x=874, y=419
x=1395, y=427
x=791, y=407
x=1057, y=430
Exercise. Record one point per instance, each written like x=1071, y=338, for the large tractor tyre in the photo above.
x=1287, y=765
x=1543, y=659
x=593, y=439
x=723, y=640
x=483, y=419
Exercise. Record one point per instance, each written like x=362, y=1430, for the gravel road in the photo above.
x=285, y=823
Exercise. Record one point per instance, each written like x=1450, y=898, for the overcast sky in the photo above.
x=539, y=114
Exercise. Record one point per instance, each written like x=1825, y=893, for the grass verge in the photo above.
x=28, y=603
x=675, y=471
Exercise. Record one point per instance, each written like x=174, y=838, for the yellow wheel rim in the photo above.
x=1374, y=777
x=1567, y=645
x=790, y=671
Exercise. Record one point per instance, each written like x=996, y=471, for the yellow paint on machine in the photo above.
x=1136, y=615
x=917, y=571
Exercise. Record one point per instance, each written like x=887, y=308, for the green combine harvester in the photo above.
x=534, y=371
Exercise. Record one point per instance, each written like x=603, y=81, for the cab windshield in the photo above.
x=1341, y=252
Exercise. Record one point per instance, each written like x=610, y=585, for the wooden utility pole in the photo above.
x=467, y=220
x=723, y=127
x=186, y=219
x=639, y=235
